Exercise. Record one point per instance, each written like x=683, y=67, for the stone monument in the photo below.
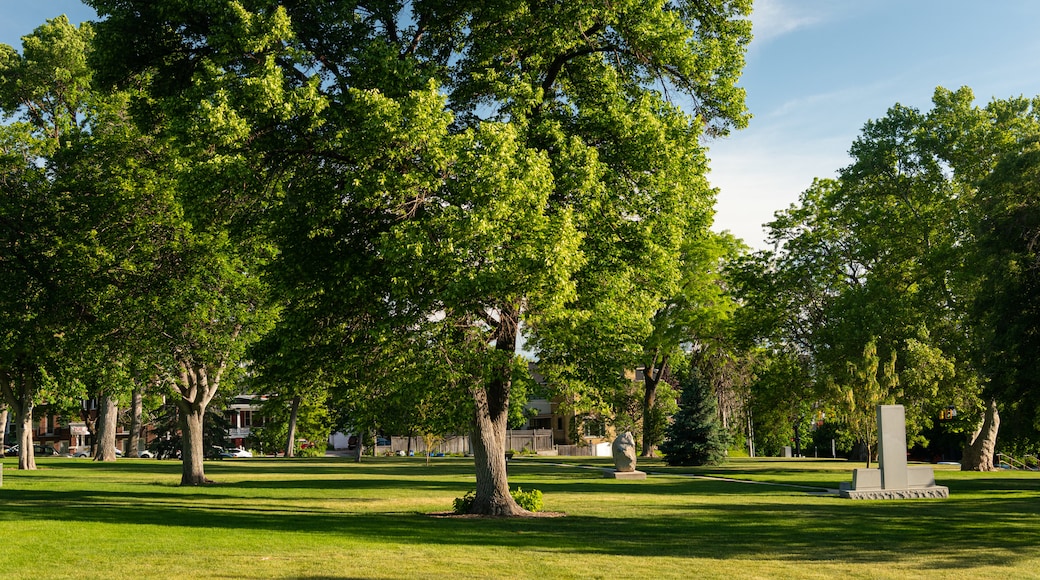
x=624, y=451
x=893, y=479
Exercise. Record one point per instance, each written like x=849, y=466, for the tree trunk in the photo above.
x=91, y=424
x=192, y=450
x=106, y=437
x=491, y=417
x=978, y=453
x=652, y=374
x=26, y=452
x=197, y=385
x=136, y=412
x=19, y=393
x=294, y=411
x=3, y=423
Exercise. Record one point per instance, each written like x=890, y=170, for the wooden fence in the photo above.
x=516, y=440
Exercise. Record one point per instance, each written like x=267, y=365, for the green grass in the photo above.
x=332, y=518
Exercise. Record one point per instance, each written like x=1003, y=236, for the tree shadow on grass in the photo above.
x=991, y=525
x=987, y=520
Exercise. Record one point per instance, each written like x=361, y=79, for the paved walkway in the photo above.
x=812, y=490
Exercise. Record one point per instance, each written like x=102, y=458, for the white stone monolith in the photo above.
x=893, y=479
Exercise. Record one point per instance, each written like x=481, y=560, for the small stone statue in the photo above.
x=624, y=450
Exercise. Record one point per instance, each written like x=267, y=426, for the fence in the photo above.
x=516, y=440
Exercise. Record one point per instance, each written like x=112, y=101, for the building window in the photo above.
x=593, y=427
x=559, y=423
x=541, y=423
x=246, y=418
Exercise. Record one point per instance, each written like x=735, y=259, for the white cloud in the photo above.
x=761, y=172
x=773, y=18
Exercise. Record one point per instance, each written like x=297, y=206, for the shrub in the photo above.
x=464, y=503
x=529, y=500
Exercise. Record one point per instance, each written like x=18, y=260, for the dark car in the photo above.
x=11, y=451
x=43, y=450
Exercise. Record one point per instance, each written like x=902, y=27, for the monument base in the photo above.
x=937, y=492
x=920, y=484
x=625, y=474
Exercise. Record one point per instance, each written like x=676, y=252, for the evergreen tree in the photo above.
x=695, y=436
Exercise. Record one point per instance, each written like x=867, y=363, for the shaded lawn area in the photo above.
x=332, y=518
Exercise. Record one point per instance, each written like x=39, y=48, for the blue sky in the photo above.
x=819, y=69
x=816, y=72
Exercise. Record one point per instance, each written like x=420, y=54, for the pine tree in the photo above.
x=695, y=436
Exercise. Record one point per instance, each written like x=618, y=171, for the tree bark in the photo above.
x=652, y=374
x=197, y=385
x=136, y=413
x=491, y=417
x=91, y=423
x=3, y=423
x=978, y=453
x=106, y=436
x=192, y=450
x=360, y=449
x=19, y=392
x=294, y=411
x=26, y=452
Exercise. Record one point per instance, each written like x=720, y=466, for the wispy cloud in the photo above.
x=774, y=18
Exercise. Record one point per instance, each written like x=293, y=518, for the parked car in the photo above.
x=40, y=450
x=237, y=452
x=11, y=451
x=146, y=454
x=85, y=452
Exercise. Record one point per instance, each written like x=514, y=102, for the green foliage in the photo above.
x=869, y=384
x=896, y=250
x=529, y=500
x=313, y=424
x=695, y=436
x=168, y=437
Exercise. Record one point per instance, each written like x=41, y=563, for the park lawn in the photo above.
x=333, y=518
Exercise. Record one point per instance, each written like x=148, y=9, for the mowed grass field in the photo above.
x=333, y=518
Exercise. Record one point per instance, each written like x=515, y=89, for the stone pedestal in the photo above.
x=625, y=474
x=893, y=479
x=624, y=451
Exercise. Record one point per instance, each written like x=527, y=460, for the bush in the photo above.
x=529, y=500
x=463, y=504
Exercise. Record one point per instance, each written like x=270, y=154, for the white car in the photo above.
x=238, y=452
x=85, y=452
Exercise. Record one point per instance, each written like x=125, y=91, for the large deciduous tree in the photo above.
x=1005, y=256
x=880, y=253
x=48, y=246
x=448, y=173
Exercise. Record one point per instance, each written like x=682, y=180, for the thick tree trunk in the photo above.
x=192, y=450
x=136, y=413
x=26, y=452
x=106, y=437
x=3, y=423
x=197, y=385
x=978, y=453
x=489, y=453
x=19, y=393
x=491, y=417
x=294, y=411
